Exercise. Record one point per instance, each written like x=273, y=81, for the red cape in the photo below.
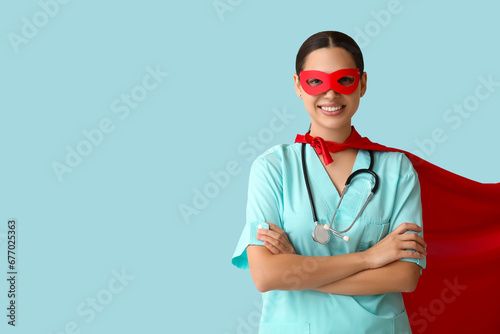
x=459, y=289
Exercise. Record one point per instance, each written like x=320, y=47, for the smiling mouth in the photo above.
x=331, y=108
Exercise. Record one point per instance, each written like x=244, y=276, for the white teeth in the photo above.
x=331, y=109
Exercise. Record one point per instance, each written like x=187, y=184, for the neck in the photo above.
x=338, y=135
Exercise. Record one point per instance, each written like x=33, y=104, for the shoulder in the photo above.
x=278, y=155
x=276, y=162
x=394, y=162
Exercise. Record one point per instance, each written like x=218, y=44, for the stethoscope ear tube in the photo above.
x=306, y=178
x=363, y=170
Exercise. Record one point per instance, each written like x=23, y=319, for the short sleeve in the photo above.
x=264, y=205
x=407, y=202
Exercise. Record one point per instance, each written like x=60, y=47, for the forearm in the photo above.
x=298, y=272
x=398, y=276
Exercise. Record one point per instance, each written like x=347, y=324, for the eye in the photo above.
x=346, y=81
x=314, y=82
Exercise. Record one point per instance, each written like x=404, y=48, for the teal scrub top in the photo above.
x=277, y=194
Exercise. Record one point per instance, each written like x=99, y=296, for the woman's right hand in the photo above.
x=276, y=240
x=397, y=245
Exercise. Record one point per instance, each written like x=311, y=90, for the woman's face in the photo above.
x=330, y=110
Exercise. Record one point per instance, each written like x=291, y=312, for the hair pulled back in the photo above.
x=326, y=39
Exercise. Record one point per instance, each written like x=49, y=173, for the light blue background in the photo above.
x=229, y=74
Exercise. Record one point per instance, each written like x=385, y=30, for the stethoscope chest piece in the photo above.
x=321, y=235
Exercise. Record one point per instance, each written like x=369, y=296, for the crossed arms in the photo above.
x=275, y=266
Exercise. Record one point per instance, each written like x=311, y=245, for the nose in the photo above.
x=330, y=94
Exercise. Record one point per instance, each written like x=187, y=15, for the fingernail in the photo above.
x=259, y=231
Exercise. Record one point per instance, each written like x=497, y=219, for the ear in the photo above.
x=362, y=84
x=298, y=87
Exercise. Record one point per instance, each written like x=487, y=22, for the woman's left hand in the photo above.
x=276, y=240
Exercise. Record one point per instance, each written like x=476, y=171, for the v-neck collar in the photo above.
x=320, y=180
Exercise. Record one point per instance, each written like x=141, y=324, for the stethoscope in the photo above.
x=321, y=233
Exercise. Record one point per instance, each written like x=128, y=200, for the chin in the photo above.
x=334, y=124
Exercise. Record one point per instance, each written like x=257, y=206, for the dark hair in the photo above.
x=326, y=39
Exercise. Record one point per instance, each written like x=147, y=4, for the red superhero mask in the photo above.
x=343, y=81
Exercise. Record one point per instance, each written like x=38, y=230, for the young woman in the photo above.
x=315, y=285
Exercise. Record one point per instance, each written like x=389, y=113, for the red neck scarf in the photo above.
x=461, y=218
x=326, y=147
